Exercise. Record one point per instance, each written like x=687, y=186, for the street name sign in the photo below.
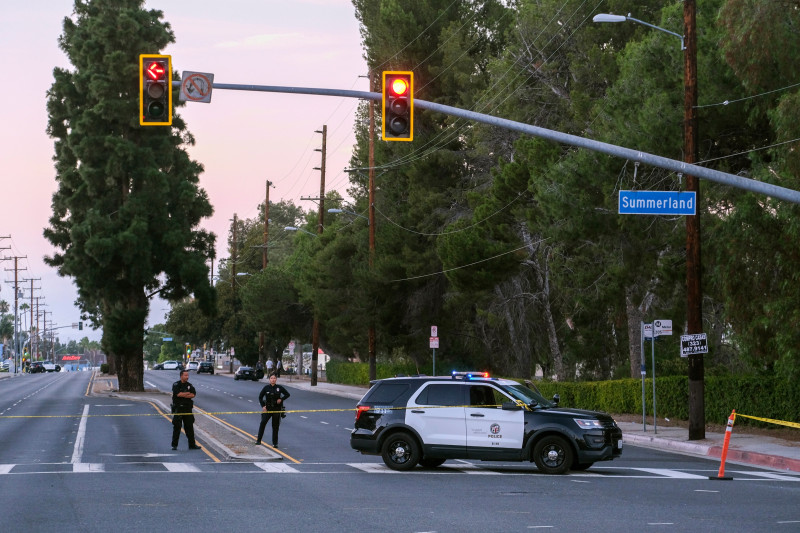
x=657, y=203
x=694, y=344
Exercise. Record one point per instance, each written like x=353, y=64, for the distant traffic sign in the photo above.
x=662, y=327
x=657, y=203
x=166, y=339
x=196, y=86
x=694, y=344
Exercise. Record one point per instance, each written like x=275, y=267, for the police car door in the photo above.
x=490, y=428
x=436, y=412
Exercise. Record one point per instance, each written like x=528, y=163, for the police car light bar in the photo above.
x=469, y=375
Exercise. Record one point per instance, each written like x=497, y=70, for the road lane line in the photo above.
x=5, y=469
x=77, y=451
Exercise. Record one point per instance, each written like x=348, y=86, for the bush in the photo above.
x=104, y=368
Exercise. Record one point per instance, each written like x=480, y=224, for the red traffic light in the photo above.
x=155, y=70
x=399, y=86
x=155, y=90
x=398, y=106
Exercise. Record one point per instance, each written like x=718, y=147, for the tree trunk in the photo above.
x=122, y=331
x=635, y=318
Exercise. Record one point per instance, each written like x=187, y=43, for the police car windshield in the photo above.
x=524, y=394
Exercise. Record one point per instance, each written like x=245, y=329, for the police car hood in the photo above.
x=578, y=413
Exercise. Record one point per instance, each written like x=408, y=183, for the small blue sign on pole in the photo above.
x=166, y=339
x=657, y=203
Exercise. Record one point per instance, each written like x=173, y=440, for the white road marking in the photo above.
x=769, y=475
x=373, y=468
x=77, y=450
x=181, y=467
x=277, y=468
x=5, y=469
x=86, y=468
x=671, y=473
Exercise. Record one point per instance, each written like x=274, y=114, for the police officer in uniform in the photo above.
x=271, y=399
x=182, y=394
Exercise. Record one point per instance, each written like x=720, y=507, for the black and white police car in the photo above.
x=426, y=420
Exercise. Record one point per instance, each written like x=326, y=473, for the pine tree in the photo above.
x=127, y=207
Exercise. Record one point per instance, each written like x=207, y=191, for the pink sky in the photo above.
x=243, y=139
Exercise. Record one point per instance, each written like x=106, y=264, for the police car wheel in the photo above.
x=431, y=462
x=401, y=452
x=552, y=455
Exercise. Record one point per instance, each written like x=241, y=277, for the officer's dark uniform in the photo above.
x=183, y=405
x=269, y=399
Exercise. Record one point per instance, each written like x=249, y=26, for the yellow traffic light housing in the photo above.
x=398, y=106
x=155, y=90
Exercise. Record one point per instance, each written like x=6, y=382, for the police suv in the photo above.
x=426, y=420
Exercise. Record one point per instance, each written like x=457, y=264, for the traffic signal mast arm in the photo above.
x=732, y=180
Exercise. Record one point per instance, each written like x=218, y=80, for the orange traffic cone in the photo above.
x=728, y=431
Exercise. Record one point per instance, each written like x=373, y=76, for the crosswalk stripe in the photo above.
x=768, y=475
x=5, y=469
x=85, y=468
x=181, y=467
x=277, y=467
x=676, y=474
x=373, y=468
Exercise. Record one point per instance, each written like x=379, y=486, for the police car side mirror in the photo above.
x=511, y=406
x=556, y=398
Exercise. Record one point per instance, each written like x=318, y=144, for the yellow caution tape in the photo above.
x=291, y=411
x=772, y=421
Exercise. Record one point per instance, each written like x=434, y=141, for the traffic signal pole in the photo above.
x=766, y=189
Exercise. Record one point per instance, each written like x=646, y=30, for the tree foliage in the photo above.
x=127, y=207
x=513, y=246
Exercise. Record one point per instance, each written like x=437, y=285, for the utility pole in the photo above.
x=320, y=227
x=264, y=261
x=16, y=269
x=31, y=329
x=694, y=294
x=373, y=367
x=233, y=286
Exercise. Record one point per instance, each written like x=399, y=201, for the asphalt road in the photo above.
x=113, y=470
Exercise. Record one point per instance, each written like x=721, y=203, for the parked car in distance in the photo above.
x=192, y=365
x=36, y=367
x=158, y=366
x=245, y=372
x=205, y=367
x=171, y=365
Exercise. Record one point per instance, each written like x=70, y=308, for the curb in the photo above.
x=667, y=444
x=760, y=459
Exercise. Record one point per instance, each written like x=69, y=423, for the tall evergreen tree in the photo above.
x=128, y=205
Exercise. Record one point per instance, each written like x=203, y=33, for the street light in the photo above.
x=292, y=228
x=605, y=17
x=694, y=302
x=348, y=213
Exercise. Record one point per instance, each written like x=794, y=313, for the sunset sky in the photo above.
x=243, y=138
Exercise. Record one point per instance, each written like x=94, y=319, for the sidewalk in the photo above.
x=743, y=448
